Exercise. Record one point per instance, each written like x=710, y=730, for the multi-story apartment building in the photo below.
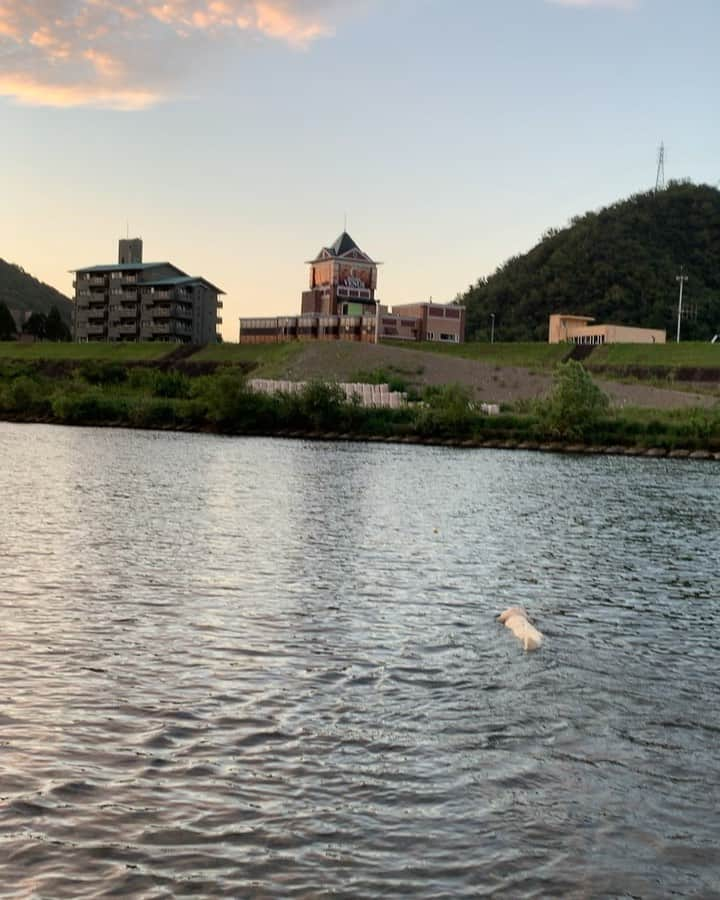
x=136, y=301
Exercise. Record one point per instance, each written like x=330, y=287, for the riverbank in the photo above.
x=566, y=447
x=112, y=394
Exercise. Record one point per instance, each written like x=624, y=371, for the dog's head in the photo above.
x=512, y=611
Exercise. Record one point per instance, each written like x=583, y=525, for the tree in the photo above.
x=618, y=265
x=36, y=325
x=575, y=403
x=55, y=328
x=7, y=324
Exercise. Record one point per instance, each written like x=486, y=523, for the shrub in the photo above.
x=171, y=384
x=230, y=403
x=96, y=372
x=25, y=395
x=89, y=407
x=152, y=412
x=575, y=404
x=322, y=404
x=446, y=410
x=141, y=378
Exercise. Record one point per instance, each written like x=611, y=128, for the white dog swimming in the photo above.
x=515, y=618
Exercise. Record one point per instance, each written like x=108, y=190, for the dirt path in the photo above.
x=347, y=361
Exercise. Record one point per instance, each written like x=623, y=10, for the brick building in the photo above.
x=343, y=280
x=340, y=305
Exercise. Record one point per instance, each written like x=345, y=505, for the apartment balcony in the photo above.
x=126, y=329
x=219, y=304
x=95, y=330
x=218, y=320
x=169, y=311
x=96, y=281
x=158, y=295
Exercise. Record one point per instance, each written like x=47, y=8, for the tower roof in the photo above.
x=343, y=246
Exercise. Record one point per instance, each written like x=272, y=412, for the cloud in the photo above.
x=132, y=54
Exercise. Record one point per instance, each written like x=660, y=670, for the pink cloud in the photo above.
x=128, y=54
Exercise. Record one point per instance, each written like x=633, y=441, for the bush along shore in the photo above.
x=575, y=417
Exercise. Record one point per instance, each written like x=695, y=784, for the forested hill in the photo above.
x=618, y=265
x=18, y=290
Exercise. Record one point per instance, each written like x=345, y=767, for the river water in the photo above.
x=264, y=668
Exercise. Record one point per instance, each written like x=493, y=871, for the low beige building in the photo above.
x=578, y=330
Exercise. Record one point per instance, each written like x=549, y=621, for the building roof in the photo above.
x=341, y=247
x=343, y=244
x=125, y=267
x=180, y=280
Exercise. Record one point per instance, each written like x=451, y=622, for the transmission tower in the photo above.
x=660, y=177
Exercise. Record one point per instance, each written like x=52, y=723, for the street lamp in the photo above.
x=682, y=278
x=492, y=328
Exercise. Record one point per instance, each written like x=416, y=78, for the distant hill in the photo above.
x=21, y=291
x=618, y=265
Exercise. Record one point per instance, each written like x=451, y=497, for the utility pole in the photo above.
x=492, y=328
x=660, y=177
x=682, y=278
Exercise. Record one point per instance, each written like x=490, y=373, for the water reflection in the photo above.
x=268, y=668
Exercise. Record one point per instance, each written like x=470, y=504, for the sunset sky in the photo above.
x=234, y=136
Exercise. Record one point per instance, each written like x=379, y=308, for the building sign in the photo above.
x=355, y=277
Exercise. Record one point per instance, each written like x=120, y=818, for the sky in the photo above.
x=237, y=137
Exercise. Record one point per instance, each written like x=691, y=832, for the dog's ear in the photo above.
x=511, y=611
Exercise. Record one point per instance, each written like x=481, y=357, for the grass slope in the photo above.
x=119, y=352
x=690, y=354
x=530, y=355
x=269, y=360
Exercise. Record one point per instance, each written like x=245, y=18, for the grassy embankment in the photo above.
x=533, y=356
x=690, y=366
x=45, y=351
x=128, y=386
x=266, y=360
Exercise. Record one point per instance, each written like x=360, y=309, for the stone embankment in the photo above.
x=534, y=446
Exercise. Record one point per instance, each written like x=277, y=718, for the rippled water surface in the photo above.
x=256, y=668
